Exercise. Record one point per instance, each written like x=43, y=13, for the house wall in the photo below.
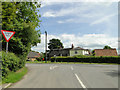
x=67, y=52
x=59, y=53
x=85, y=52
x=76, y=52
x=32, y=59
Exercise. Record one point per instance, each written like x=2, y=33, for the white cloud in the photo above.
x=90, y=41
x=103, y=19
x=97, y=1
x=61, y=12
x=79, y=9
x=68, y=21
x=84, y=13
x=49, y=14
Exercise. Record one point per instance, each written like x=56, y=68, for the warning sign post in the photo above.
x=7, y=35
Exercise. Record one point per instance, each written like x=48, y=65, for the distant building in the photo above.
x=79, y=51
x=33, y=55
x=105, y=52
x=69, y=51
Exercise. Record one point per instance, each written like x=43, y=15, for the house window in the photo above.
x=76, y=52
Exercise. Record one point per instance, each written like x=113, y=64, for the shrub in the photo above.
x=10, y=62
x=39, y=59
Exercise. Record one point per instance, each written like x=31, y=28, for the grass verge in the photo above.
x=49, y=62
x=15, y=76
x=84, y=63
x=33, y=62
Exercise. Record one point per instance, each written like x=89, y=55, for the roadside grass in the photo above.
x=49, y=62
x=84, y=63
x=15, y=76
x=35, y=62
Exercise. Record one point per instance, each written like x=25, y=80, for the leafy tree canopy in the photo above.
x=55, y=44
x=107, y=47
x=23, y=18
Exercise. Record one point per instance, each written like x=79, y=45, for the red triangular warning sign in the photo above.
x=7, y=34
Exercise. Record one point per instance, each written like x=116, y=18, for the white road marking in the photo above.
x=52, y=67
x=81, y=83
x=71, y=68
x=8, y=85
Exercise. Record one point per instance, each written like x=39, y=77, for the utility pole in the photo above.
x=46, y=46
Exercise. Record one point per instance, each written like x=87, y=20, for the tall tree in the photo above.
x=55, y=44
x=23, y=18
x=107, y=47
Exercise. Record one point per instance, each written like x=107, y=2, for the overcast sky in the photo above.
x=90, y=25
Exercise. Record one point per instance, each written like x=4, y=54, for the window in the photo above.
x=76, y=52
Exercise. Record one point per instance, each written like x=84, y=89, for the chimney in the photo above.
x=72, y=46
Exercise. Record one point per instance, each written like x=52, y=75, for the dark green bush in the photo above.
x=10, y=62
x=39, y=59
x=87, y=59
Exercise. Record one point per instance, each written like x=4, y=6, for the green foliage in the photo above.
x=88, y=59
x=80, y=56
x=10, y=62
x=107, y=47
x=55, y=44
x=93, y=52
x=42, y=55
x=21, y=17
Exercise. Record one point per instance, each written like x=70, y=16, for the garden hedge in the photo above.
x=10, y=62
x=89, y=59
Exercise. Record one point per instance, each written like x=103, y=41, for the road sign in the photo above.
x=7, y=34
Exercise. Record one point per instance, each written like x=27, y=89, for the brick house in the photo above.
x=33, y=55
x=105, y=52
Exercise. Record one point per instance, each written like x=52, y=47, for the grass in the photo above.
x=15, y=76
x=49, y=62
x=84, y=63
x=38, y=62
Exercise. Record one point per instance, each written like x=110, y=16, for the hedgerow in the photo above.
x=88, y=59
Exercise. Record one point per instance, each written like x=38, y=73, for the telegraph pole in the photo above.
x=46, y=46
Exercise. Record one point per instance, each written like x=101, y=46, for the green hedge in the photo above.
x=10, y=62
x=87, y=59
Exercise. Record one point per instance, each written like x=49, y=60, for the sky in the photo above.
x=90, y=25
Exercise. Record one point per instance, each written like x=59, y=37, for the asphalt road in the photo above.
x=69, y=76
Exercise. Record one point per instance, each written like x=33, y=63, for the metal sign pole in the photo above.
x=7, y=47
x=46, y=47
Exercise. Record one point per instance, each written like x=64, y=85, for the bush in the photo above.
x=87, y=59
x=10, y=62
x=39, y=59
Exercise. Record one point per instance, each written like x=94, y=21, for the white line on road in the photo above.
x=52, y=67
x=81, y=83
x=71, y=68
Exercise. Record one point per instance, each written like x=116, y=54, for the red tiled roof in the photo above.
x=105, y=52
x=33, y=54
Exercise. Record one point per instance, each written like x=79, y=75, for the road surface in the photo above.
x=69, y=76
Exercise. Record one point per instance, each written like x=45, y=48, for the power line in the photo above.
x=43, y=26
